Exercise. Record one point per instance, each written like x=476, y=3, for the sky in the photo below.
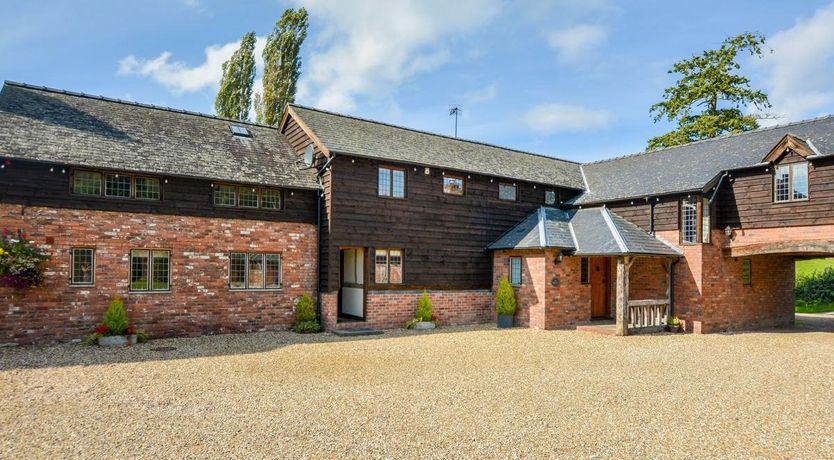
x=572, y=79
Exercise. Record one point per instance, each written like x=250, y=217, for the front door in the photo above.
x=600, y=272
x=352, y=289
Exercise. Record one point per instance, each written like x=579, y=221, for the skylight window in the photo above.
x=240, y=131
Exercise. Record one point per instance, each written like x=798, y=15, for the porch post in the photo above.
x=667, y=265
x=623, y=266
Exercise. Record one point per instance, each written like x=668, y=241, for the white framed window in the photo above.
x=255, y=271
x=790, y=183
x=507, y=192
x=550, y=197
x=515, y=271
x=246, y=196
x=86, y=183
x=388, y=266
x=391, y=182
x=118, y=185
x=150, y=270
x=82, y=267
x=689, y=221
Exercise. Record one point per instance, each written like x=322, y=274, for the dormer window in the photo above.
x=240, y=131
x=790, y=183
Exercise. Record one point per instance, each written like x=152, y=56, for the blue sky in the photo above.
x=568, y=78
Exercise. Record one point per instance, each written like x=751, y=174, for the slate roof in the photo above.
x=582, y=232
x=44, y=124
x=690, y=167
x=372, y=139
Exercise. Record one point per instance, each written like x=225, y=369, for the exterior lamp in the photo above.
x=729, y=232
x=558, y=259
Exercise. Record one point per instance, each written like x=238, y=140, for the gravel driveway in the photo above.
x=458, y=392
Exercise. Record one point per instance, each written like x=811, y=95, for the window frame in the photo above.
x=520, y=271
x=584, y=270
x=746, y=272
x=455, y=177
x=247, y=261
x=150, y=289
x=134, y=188
x=684, y=202
x=391, y=170
x=117, y=176
x=102, y=188
x=259, y=192
x=100, y=182
x=555, y=197
x=387, y=252
x=508, y=184
x=791, y=185
x=72, y=281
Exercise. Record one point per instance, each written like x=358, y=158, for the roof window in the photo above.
x=240, y=131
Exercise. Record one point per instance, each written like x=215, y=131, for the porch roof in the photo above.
x=582, y=232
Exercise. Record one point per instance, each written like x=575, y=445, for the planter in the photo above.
x=424, y=325
x=674, y=329
x=113, y=341
x=505, y=321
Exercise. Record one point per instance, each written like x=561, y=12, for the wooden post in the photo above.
x=623, y=266
x=668, y=266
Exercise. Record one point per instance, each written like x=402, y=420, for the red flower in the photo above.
x=100, y=329
x=131, y=329
x=433, y=317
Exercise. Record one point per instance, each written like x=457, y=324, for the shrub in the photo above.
x=115, y=318
x=424, y=308
x=305, y=310
x=816, y=288
x=141, y=336
x=306, y=327
x=21, y=263
x=505, y=298
x=91, y=339
x=674, y=321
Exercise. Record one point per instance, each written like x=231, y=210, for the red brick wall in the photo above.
x=393, y=309
x=530, y=296
x=568, y=303
x=200, y=301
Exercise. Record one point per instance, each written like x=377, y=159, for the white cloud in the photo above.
x=368, y=48
x=576, y=41
x=179, y=77
x=799, y=81
x=551, y=118
x=481, y=95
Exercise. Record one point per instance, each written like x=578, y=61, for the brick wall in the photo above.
x=568, y=301
x=200, y=301
x=393, y=309
x=530, y=295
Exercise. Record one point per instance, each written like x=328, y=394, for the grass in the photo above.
x=807, y=268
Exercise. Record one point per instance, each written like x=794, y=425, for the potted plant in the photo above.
x=674, y=324
x=423, y=318
x=21, y=263
x=305, y=316
x=505, y=304
x=115, y=330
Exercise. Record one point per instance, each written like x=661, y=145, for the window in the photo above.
x=515, y=271
x=706, y=222
x=117, y=185
x=270, y=199
x=790, y=183
x=507, y=192
x=584, y=271
x=240, y=131
x=549, y=197
x=147, y=188
x=254, y=271
x=150, y=270
x=453, y=185
x=225, y=195
x=388, y=266
x=247, y=197
x=86, y=183
x=82, y=263
x=746, y=269
x=391, y=183
x=689, y=221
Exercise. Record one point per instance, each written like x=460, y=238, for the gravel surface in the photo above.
x=458, y=392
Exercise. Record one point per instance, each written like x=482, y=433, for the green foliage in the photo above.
x=142, y=336
x=21, y=263
x=306, y=327
x=412, y=322
x=807, y=267
x=115, y=318
x=424, y=307
x=233, y=97
x=91, y=339
x=305, y=310
x=282, y=65
x=674, y=321
x=505, y=298
x=709, y=97
x=815, y=291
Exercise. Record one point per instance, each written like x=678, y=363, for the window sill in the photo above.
x=256, y=289
x=131, y=291
x=81, y=286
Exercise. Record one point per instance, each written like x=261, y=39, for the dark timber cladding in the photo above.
x=444, y=236
x=638, y=211
x=32, y=184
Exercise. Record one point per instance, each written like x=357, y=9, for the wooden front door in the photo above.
x=600, y=273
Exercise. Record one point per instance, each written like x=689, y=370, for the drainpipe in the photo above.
x=651, y=217
x=717, y=186
x=670, y=310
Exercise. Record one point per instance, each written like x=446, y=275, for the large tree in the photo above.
x=709, y=97
x=233, y=97
x=282, y=66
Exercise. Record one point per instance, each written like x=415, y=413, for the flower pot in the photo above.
x=505, y=321
x=113, y=341
x=132, y=339
x=424, y=325
x=674, y=328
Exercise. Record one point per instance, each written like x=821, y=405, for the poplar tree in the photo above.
x=709, y=97
x=235, y=93
x=282, y=66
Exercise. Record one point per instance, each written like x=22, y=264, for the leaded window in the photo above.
x=150, y=270
x=270, y=199
x=254, y=271
x=746, y=272
x=388, y=266
x=453, y=185
x=117, y=185
x=549, y=197
x=147, y=188
x=86, y=183
x=689, y=221
x=790, y=183
x=82, y=265
x=391, y=183
x=515, y=271
x=507, y=192
x=781, y=183
x=225, y=195
x=247, y=197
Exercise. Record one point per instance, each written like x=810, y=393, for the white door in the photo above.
x=352, y=291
